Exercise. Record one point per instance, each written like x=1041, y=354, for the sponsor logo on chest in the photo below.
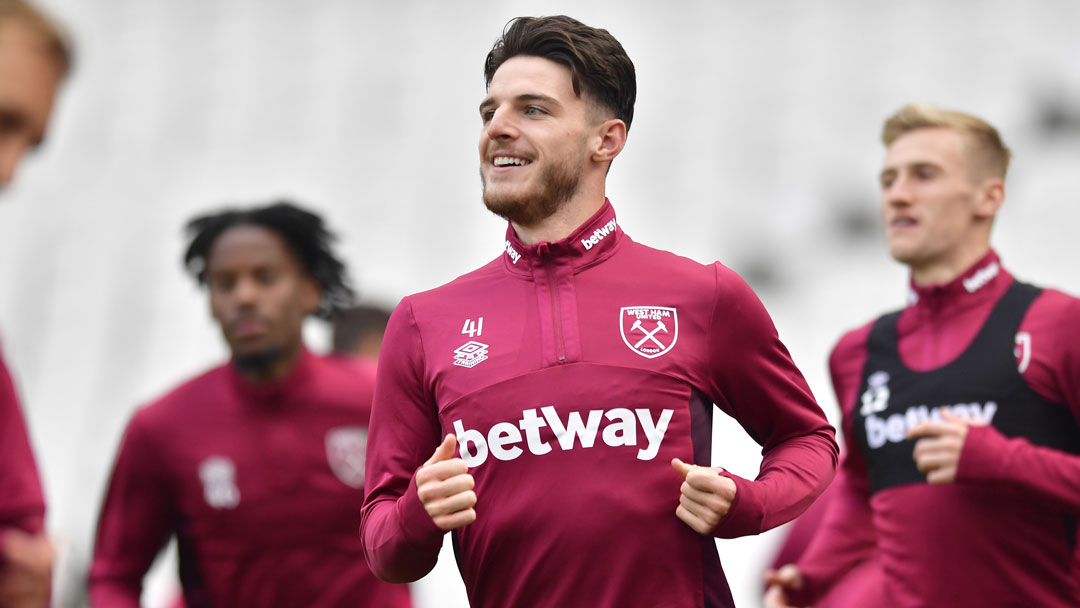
x=649, y=331
x=882, y=428
x=509, y=440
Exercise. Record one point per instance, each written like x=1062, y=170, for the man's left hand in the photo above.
x=937, y=454
x=706, y=496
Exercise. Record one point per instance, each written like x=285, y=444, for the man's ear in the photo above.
x=311, y=294
x=609, y=140
x=991, y=197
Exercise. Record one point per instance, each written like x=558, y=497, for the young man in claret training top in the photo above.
x=257, y=466
x=960, y=411
x=34, y=60
x=553, y=409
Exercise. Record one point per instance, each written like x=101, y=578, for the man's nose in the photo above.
x=898, y=192
x=246, y=292
x=502, y=125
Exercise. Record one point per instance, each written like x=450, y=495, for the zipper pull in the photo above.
x=544, y=250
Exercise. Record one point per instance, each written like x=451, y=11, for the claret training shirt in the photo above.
x=1004, y=533
x=572, y=373
x=261, y=484
x=22, y=504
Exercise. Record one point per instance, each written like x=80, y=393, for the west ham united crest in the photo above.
x=345, y=450
x=649, y=331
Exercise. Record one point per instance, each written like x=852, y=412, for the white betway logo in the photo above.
x=981, y=277
x=503, y=438
x=510, y=251
x=893, y=429
x=598, y=235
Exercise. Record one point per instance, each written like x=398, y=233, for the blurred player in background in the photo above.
x=358, y=331
x=860, y=586
x=575, y=372
x=257, y=466
x=34, y=59
x=960, y=411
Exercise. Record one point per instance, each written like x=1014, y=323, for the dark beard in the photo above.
x=559, y=183
x=257, y=364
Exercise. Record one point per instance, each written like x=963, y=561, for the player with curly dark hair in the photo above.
x=261, y=339
x=257, y=466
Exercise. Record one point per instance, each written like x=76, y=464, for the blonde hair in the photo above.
x=986, y=144
x=51, y=33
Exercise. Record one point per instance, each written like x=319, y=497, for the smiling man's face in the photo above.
x=533, y=144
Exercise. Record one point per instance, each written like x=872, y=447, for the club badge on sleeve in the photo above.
x=649, y=331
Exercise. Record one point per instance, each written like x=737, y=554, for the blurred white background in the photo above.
x=754, y=142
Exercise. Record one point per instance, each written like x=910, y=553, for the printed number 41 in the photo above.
x=473, y=328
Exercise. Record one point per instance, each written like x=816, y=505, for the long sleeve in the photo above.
x=846, y=535
x=21, y=502
x=401, y=542
x=1051, y=475
x=756, y=382
x=135, y=522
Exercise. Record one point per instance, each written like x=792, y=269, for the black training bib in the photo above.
x=983, y=382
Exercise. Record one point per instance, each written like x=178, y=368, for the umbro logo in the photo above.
x=470, y=354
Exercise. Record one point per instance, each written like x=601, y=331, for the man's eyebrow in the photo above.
x=538, y=97
x=523, y=98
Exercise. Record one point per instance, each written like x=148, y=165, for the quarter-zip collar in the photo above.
x=985, y=281
x=592, y=242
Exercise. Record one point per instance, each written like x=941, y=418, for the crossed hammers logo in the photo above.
x=650, y=335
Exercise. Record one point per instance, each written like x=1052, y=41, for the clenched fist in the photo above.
x=706, y=496
x=446, y=488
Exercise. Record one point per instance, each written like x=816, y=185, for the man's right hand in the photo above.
x=787, y=578
x=446, y=488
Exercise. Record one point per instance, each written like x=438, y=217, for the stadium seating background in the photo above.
x=755, y=142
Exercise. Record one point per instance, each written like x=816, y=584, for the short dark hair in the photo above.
x=599, y=66
x=352, y=325
x=304, y=231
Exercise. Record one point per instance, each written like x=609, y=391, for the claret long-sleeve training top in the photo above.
x=572, y=373
x=22, y=504
x=261, y=484
x=982, y=346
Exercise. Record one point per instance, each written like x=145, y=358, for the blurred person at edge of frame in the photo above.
x=35, y=57
x=358, y=331
x=257, y=465
x=859, y=586
x=961, y=473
